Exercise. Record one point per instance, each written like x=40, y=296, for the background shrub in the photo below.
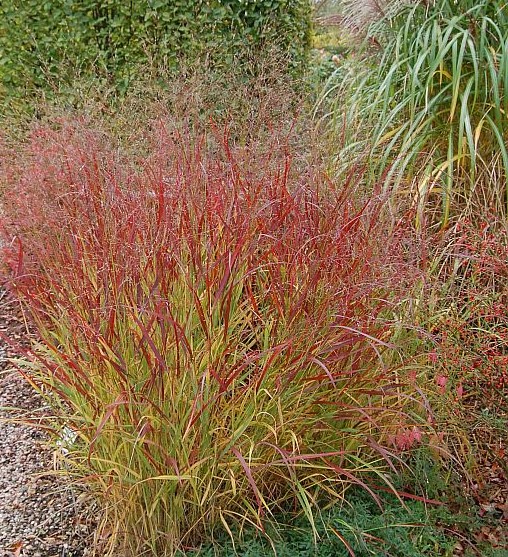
x=49, y=42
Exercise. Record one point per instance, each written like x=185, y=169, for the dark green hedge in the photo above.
x=43, y=41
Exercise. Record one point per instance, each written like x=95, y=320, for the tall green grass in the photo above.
x=430, y=110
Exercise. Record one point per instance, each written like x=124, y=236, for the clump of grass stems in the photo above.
x=431, y=107
x=213, y=324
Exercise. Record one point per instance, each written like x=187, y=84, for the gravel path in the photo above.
x=39, y=515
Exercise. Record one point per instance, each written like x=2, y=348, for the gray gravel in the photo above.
x=40, y=515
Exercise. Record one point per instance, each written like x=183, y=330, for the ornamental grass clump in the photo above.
x=214, y=326
x=430, y=105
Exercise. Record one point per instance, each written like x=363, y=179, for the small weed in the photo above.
x=362, y=529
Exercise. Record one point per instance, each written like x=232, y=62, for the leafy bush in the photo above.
x=213, y=324
x=432, y=106
x=48, y=42
x=472, y=327
x=464, y=309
